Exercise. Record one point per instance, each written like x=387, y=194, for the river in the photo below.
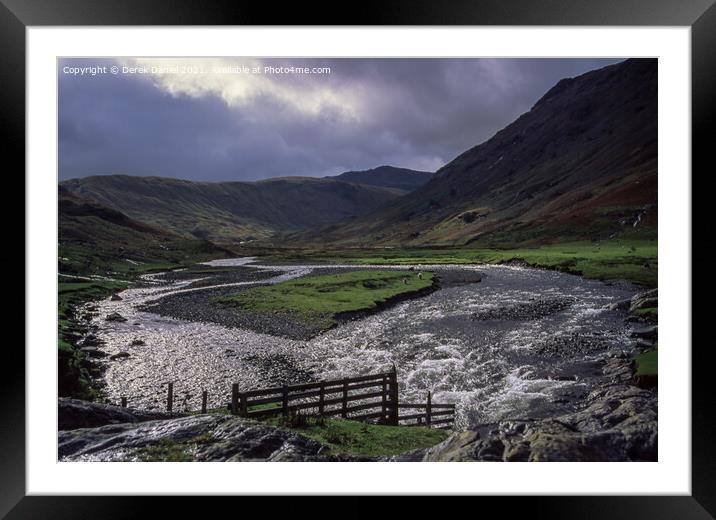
x=521, y=343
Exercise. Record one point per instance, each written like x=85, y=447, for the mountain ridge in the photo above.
x=580, y=164
x=230, y=212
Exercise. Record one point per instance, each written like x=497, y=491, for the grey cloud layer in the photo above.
x=414, y=113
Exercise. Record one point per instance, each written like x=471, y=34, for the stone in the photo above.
x=115, y=316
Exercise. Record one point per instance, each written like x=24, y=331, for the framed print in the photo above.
x=368, y=255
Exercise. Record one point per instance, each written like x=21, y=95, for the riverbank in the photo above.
x=77, y=374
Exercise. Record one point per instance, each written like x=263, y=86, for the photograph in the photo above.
x=357, y=259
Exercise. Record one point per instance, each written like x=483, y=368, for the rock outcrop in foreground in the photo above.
x=213, y=437
x=618, y=423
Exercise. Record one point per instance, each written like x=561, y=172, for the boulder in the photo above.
x=119, y=355
x=115, y=316
x=92, y=352
x=116, y=298
x=74, y=413
x=644, y=300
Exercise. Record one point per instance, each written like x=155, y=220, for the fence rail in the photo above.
x=359, y=398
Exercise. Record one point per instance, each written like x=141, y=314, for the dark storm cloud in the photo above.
x=415, y=113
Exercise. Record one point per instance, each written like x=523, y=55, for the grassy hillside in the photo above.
x=100, y=251
x=232, y=212
x=94, y=239
x=581, y=164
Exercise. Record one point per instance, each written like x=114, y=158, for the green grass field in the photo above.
x=319, y=299
x=617, y=259
x=359, y=438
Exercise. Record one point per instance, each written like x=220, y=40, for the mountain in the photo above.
x=94, y=238
x=229, y=212
x=581, y=164
x=387, y=177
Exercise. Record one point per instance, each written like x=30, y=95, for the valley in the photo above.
x=231, y=213
x=519, y=282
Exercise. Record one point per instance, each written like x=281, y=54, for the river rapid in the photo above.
x=521, y=343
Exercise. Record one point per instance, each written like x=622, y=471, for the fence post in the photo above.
x=234, y=398
x=284, y=404
x=384, y=401
x=243, y=405
x=170, y=397
x=124, y=402
x=204, y=396
x=344, y=404
x=393, y=396
x=428, y=409
x=322, y=399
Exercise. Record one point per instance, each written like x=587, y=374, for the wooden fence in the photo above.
x=429, y=414
x=362, y=398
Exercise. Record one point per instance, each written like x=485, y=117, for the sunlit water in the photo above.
x=488, y=367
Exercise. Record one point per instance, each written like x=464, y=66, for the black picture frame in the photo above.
x=700, y=15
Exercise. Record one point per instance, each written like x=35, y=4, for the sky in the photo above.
x=246, y=119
